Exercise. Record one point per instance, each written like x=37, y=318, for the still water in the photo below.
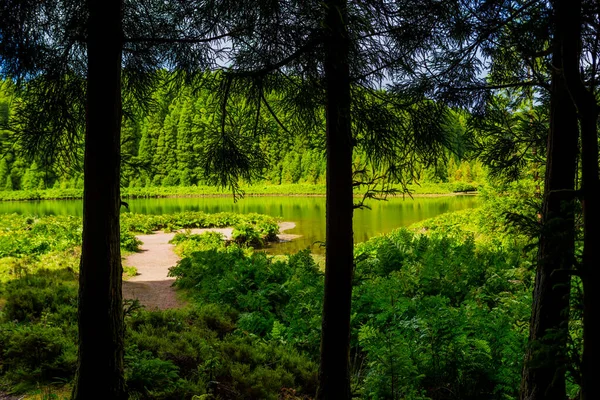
x=307, y=212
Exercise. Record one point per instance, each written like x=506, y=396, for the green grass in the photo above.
x=47, y=194
x=298, y=189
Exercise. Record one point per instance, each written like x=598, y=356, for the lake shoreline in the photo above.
x=226, y=195
x=308, y=212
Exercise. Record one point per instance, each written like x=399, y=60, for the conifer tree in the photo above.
x=70, y=61
x=577, y=23
x=544, y=371
x=4, y=172
x=9, y=183
x=329, y=60
x=31, y=179
x=501, y=55
x=184, y=141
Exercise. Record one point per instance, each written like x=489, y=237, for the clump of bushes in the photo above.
x=255, y=232
x=32, y=353
x=44, y=293
x=169, y=354
x=34, y=236
x=247, y=234
x=437, y=313
x=197, y=351
x=38, y=328
x=29, y=236
x=143, y=223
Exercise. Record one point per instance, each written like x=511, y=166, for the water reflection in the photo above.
x=307, y=212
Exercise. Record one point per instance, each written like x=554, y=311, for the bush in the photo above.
x=149, y=377
x=464, y=187
x=188, y=243
x=35, y=294
x=456, y=303
x=245, y=234
x=31, y=353
x=128, y=241
x=199, y=349
x=268, y=230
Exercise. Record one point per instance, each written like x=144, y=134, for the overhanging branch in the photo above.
x=265, y=70
x=184, y=40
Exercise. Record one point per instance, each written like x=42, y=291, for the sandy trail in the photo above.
x=151, y=286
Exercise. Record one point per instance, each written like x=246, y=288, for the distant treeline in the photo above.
x=163, y=146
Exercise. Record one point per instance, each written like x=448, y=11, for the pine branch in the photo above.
x=268, y=68
x=185, y=40
x=504, y=86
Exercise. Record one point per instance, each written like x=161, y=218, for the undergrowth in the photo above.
x=439, y=312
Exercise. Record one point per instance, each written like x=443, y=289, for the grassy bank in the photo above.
x=29, y=244
x=299, y=189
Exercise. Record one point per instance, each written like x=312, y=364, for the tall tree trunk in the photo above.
x=101, y=325
x=570, y=12
x=545, y=360
x=334, y=377
x=590, y=272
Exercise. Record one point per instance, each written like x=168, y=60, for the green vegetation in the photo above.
x=171, y=137
x=265, y=189
x=171, y=354
x=25, y=241
x=432, y=311
x=396, y=94
x=141, y=223
x=443, y=306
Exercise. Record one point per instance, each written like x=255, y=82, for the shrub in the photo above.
x=268, y=230
x=34, y=294
x=199, y=349
x=149, y=377
x=188, y=243
x=128, y=241
x=246, y=234
x=32, y=353
x=457, y=303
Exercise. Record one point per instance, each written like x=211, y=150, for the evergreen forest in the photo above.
x=163, y=145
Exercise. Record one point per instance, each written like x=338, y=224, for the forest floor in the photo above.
x=5, y=396
x=151, y=286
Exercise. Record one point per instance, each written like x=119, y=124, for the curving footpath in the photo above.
x=151, y=286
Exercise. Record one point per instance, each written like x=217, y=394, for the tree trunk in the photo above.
x=334, y=377
x=590, y=389
x=570, y=12
x=101, y=325
x=545, y=360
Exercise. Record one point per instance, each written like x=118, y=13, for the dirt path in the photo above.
x=151, y=286
x=5, y=396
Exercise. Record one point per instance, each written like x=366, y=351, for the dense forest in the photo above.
x=163, y=146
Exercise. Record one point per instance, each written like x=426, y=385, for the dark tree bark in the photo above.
x=101, y=325
x=545, y=360
x=334, y=377
x=590, y=272
x=570, y=18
